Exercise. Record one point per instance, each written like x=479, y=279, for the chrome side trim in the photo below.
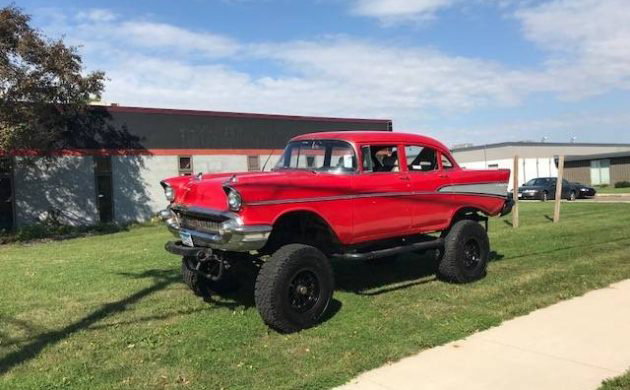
x=375, y=195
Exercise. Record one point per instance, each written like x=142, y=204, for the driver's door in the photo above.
x=381, y=205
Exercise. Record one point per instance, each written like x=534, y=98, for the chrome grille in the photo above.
x=203, y=225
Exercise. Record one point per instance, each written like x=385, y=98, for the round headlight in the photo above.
x=169, y=192
x=234, y=200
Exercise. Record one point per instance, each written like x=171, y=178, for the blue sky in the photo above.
x=464, y=71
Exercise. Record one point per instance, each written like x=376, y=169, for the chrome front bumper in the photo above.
x=232, y=235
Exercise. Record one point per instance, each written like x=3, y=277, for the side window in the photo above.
x=421, y=158
x=380, y=158
x=448, y=164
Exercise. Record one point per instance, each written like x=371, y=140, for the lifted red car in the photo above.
x=349, y=195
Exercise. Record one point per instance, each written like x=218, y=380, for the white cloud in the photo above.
x=161, y=65
x=161, y=35
x=393, y=11
x=96, y=15
x=587, y=41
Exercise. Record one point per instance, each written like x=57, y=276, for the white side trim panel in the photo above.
x=499, y=189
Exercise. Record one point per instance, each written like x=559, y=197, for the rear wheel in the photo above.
x=466, y=251
x=294, y=288
x=203, y=286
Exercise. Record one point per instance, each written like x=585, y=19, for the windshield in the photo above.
x=319, y=155
x=537, y=182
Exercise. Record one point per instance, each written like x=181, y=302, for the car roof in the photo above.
x=374, y=136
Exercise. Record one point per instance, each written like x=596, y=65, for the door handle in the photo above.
x=443, y=176
x=405, y=178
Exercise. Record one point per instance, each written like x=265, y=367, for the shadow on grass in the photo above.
x=385, y=275
x=366, y=278
x=161, y=279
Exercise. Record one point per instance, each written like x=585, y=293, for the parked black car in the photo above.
x=544, y=188
x=584, y=191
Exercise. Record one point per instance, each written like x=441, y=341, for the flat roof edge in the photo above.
x=525, y=143
x=175, y=111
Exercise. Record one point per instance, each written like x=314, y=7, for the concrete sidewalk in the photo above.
x=574, y=344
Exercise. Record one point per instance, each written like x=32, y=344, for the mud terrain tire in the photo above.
x=294, y=288
x=466, y=251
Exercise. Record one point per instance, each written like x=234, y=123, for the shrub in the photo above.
x=622, y=184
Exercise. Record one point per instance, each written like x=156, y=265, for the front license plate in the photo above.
x=186, y=239
x=520, y=195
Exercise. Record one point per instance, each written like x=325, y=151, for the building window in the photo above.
x=185, y=165
x=253, y=163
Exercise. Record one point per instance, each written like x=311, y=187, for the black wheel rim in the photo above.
x=303, y=291
x=472, y=254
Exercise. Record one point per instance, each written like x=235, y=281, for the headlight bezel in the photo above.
x=234, y=199
x=169, y=193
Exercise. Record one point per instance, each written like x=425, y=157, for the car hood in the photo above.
x=209, y=190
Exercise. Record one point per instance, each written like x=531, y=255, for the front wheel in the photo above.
x=294, y=288
x=572, y=196
x=466, y=251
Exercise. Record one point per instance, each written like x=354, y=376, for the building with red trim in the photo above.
x=108, y=168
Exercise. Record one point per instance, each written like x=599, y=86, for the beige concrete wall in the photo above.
x=578, y=171
x=619, y=170
x=68, y=185
x=65, y=186
x=138, y=195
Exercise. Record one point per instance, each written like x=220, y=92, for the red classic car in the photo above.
x=349, y=195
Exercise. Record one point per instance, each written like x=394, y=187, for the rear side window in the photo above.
x=421, y=158
x=448, y=164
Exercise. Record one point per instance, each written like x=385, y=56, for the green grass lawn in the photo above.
x=612, y=190
x=108, y=312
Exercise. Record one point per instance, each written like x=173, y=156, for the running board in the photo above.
x=433, y=244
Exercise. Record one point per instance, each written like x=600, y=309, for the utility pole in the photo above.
x=556, y=210
x=515, y=193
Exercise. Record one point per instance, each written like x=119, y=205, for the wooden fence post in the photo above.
x=515, y=193
x=556, y=210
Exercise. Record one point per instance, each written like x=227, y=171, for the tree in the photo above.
x=43, y=92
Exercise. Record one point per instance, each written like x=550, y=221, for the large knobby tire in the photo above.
x=294, y=288
x=466, y=251
x=202, y=286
